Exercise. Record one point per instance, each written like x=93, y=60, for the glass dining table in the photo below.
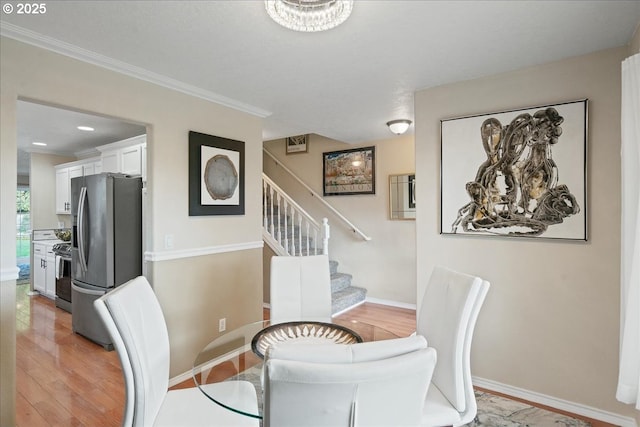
x=238, y=354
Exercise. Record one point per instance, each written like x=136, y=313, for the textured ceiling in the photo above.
x=345, y=83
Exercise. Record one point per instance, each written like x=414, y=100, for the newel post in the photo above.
x=325, y=236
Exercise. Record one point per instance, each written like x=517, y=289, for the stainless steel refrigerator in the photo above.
x=106, y=249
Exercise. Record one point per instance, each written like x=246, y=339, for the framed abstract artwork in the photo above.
x=216, y=175
x=297, y=144
x=518, y=173
x=349, y=172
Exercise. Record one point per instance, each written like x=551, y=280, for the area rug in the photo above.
x=493, y=411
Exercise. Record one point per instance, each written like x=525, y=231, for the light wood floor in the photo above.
x=63, y=379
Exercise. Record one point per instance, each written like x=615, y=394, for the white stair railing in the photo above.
x=341, y=217
x=288, y=228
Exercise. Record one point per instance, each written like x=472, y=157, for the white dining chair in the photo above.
x=381, y=383
x=447, y=318
x=134, y=319
x=300, y=288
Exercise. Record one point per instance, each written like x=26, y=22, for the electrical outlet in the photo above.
x=222, y=324
x=168, y=241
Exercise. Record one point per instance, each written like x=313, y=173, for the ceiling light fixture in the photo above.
x=309, y=15
x=399, y=126
x=86, y=128
x=40, y=144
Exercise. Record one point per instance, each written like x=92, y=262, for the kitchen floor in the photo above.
x=62, y=378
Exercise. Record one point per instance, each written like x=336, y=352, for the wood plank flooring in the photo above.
x=63, y=379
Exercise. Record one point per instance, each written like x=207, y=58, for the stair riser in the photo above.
x=346, y=298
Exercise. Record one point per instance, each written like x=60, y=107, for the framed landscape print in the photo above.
x=349, y=172
x=519, y=173
x=216, y=175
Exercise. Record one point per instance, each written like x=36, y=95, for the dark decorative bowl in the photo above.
x=63, y=234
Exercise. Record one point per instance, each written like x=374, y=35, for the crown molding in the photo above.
x=39, y=40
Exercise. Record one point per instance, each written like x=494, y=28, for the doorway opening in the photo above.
x=23, y=233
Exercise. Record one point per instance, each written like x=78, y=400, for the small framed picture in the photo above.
x=297, y=144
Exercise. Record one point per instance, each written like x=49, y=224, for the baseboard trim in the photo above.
x=554, y=402
x=390, y=303
x=210, y=250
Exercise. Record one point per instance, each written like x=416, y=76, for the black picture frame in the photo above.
x=216, y=175
x=349, y=172
x=516, y=173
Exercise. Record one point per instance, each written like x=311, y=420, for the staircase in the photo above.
x=290, y=231
x=343, y=295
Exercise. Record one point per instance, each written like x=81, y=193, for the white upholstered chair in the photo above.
x=382, y=383
x=447, y=319
x=134, y=319
x=300, y=288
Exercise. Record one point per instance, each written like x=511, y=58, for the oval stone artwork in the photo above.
x=220, y=177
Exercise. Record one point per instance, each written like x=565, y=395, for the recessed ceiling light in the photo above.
x=41, y=144
x=86, y=128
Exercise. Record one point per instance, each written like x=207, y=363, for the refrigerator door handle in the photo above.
x=81, y=225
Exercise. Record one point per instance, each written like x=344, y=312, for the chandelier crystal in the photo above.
x=309, y=15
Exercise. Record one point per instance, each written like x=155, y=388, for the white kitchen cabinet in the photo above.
x=50, y=274
x=127, y=156
x=39, y=268
x=62, y=191
x=92, y=168
x=64, y=173
x=63, y=187
x=132, y=160
x=110, y=161
x=44, y=270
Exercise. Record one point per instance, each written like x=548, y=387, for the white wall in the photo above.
x=385, y=265
x=215, y=268
x=550, y=323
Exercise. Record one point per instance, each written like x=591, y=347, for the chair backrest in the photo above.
x=300, y=288
x=134, y=319
x=447, y=318
x=360, y=387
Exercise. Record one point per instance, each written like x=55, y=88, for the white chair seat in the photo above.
x=190, y=407
x=437, y=410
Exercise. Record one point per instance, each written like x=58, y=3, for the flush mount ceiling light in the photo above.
x=40, y=144
x=399, y=126
x=309, y=15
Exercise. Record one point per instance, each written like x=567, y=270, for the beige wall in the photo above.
x=550, y=323
x=219, y=279
x=43, y=190
x=385, y=265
